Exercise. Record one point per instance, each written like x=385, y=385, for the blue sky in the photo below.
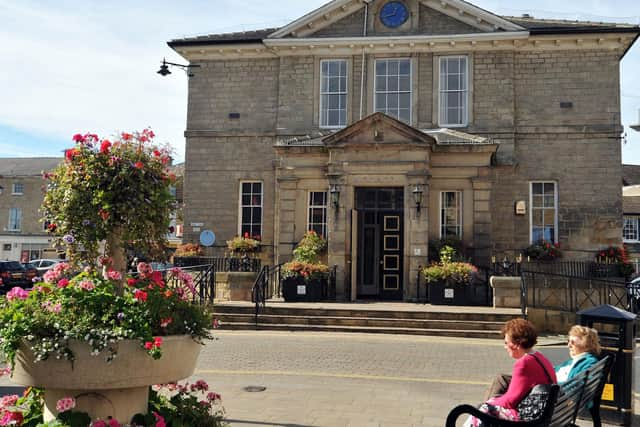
x=85, y=65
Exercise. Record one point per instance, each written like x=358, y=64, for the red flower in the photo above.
x=71, y=153
x=126, y=136
x=156, y=277
x=104, y=214
x=246, y=235
x=138, y=165
x=105, y=146
x=52, y=227
x=140, y=295
x=157, y=341
x=157, y=153
x=131, y=282
x=148, y=345
x=78, y=138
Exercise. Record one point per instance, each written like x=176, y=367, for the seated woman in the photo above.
x=584, y=349
x=530, y=369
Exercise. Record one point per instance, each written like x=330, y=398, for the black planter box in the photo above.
x=296, y=289
x=441, y=293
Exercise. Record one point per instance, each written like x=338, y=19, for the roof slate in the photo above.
x=27, y=166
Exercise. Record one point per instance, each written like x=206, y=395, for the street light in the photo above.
x=164, y=68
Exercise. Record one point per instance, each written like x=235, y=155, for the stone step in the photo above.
x=463, y=314
x=409, y=323
x=379, y=330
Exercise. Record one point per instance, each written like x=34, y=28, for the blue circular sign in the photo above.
x=207, y=238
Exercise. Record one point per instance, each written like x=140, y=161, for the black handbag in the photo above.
x=533, y=405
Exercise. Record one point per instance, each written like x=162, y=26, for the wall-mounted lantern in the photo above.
x=417, y=196
x=335, y=196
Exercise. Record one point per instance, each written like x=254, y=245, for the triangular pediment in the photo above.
x=345, y=18
x=378, y=128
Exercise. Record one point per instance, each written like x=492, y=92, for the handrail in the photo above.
x=267, y=282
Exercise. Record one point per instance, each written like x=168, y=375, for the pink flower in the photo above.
x=200, y=385
x=63, y=283
x=99, y=423
x=114, y=275
x=5, y=371
x=51, y=307
x=51, y=276
x=87, y=285
x=216, y=323
x=157, y=342
x=11, y=418
x=113, y=423
x=9, y=400
x=165, y=322
x=148, y=345
x=17, y=293
x=65, y=404
x=213, y=396
x=159, y=420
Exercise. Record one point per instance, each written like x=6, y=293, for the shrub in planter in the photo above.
x=542, y=250
x=616, y=255
x=189, y=250
x=450, y=274
x=243, y=245
x=305, y=269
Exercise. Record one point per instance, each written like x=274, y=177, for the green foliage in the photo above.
x=86, y=307
x=436, y=245
x=104, y=185
x=309, y=248
x=449, y=271
x=306, y=256
x=242, y=245
x=542, y=250
x=616, y=255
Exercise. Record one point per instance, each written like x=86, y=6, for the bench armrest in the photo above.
x=486, y=418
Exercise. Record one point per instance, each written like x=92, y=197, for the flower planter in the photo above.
x=119, y=389
x=442, y=293
x=296, y=289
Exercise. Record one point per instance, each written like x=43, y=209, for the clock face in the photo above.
x=393, y=14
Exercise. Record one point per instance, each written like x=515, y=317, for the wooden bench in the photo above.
x=563, y=405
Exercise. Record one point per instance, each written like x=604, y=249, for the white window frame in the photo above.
x=325, y=208
x=441, y=111
x=17, y=221
x=636, y=219
x=459, y=225
x=339, y=93
x=17, y=188
x=555, y=208
x=410, y=91
x=240, y=206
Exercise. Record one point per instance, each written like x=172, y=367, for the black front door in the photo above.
x=380, y=243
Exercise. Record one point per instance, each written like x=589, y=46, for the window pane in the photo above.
x=381, y=83
x=405, y=67
x=393, y=67
x=404, y=83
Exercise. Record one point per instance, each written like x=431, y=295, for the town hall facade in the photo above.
x=385, y=124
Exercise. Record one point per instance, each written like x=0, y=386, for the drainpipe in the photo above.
x=363, y=65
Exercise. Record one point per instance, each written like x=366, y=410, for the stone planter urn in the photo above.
x=119, y=389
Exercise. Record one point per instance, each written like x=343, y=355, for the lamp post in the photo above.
x=164, y=68
x=417, y=197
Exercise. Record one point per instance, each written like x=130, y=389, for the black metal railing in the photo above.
x=242, y=264
x=266, y=286
x=204, y=281
x=562, y=292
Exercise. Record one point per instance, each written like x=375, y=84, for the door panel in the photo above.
x=380, y=227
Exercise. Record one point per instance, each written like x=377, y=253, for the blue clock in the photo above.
x=393, y=14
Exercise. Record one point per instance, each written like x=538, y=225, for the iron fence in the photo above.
x=562, y=292
x=233, y=264
x=204, y=281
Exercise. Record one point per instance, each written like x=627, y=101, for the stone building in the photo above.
x=385, y=124
x=22, y=234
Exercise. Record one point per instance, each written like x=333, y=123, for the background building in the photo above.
x=22, y=235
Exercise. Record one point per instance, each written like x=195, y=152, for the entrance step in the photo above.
x=395, y=318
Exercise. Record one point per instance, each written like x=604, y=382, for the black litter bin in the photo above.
x=616, y=330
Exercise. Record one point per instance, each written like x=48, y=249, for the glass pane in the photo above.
x=549, y=200
x=537, y=217
x=246, y=199
x=246, y=187
x=453, y=100
x=334, y=68
x=334, y=84
x=405, y=67
x=324, y=84
x=393, y=68
x=381, y=68
x=334, y=102
x=343, y=68
x=246, y=215
x=257, y=187
x=549, y=216
x=549, y=234
x=392, y=84
x=334, y=118
x=343, y=118
x=536, y=234
x=453, y=82
x=325, y=68
x=536, y=188
x=404, y=100
x=381, y=102
x=404, y=115
x=453, y=116
x=256, y=215
x=343, y=84
x=536, y=200
x=381, y=83
x=549, y=187
x=404, y=83
x=392, y=101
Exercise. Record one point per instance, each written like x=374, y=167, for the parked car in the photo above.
x=45, y=264
x=12, y=274
x=31, y=271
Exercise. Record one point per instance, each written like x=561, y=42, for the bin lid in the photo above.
x=607, y=311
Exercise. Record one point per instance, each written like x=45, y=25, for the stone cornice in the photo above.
x=348, y=46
